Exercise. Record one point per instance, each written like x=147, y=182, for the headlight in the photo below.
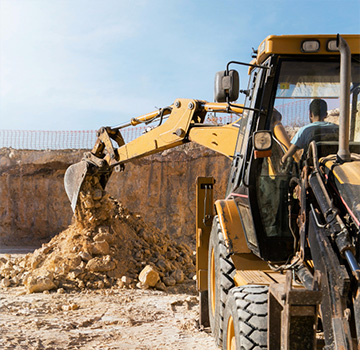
x=332, y=45
x=262, y=140
x=310, y=46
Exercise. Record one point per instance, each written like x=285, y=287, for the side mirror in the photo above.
x=226, y=87
x=262, y=143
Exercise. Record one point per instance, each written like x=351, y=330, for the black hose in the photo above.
x=159, y=115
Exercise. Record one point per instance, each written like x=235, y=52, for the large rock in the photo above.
x=5, y=282
x=100, y=248
x=169, y=281
x=39, y=281
x=104, y=235
x=178, y=276
x=149, y=276
x=101, y=264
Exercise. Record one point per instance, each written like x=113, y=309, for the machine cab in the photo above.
x=284, y=80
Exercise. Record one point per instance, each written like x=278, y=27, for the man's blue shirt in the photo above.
x=305, y=134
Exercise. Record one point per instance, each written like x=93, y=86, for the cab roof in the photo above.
x=294, y=45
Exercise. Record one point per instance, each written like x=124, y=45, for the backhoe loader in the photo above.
x=278, y=257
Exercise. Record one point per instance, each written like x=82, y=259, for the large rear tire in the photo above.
x=245, y=320
x=220, y=280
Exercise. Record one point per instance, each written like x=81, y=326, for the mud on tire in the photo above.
x=245, y=320
x=220, y=279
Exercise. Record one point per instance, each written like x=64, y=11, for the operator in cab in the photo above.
x=317, y=126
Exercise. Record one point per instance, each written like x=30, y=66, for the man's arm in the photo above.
x=290, y=152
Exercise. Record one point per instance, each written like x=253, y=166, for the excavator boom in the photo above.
x=179, y=123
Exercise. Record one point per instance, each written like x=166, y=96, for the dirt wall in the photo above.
x=161, y=188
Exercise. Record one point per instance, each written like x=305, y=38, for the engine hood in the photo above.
x=346, y=180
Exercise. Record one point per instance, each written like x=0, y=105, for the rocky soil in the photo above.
x=107, y=319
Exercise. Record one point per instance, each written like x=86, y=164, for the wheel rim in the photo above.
x=230, y=335
x=212, y=282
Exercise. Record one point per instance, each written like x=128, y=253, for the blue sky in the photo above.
x=82, y=64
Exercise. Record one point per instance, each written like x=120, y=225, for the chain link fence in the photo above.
x=79, y=139
x=294, y=114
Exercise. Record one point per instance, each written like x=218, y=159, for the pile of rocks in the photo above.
x=106, y=245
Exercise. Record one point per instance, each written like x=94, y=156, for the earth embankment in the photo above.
x=161, y=188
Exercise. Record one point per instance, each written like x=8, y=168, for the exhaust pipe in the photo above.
x=345, y=80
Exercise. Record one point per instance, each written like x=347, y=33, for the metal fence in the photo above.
x=40, y=140
x=294, y=113
x=79, y=139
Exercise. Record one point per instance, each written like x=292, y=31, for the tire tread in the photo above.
x=249, y=305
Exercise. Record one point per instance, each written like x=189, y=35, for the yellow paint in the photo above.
x=231, y=226
x=213, y=138
x=243, y=277
x=346, y=173
x=291, y=45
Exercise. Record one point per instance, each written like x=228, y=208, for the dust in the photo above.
x=107, y=245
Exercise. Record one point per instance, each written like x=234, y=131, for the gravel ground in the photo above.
x=113, y=318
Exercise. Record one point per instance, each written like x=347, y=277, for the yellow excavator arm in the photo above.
x=179, y=123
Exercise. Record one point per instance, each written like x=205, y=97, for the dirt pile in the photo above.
x=106, y=245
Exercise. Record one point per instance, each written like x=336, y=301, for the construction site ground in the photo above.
x=113, y=318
